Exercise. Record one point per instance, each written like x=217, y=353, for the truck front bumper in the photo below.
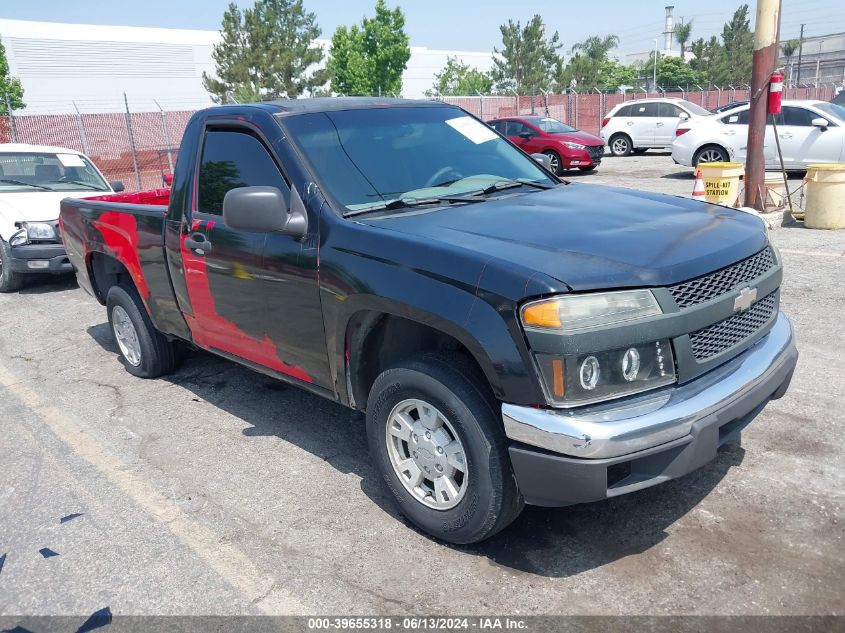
x=39, y=258
x=562, y=457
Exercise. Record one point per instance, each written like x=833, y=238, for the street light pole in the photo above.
x=654, y=80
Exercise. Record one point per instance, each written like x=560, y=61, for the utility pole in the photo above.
x=800, y=50
x=654, y=80
x=766, y=35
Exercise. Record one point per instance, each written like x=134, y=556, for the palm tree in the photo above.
x=683, y=31
x=596, y=48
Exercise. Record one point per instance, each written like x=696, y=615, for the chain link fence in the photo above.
x=137, y=142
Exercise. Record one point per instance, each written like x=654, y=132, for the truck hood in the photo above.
x=34, y=206
x=593, y=237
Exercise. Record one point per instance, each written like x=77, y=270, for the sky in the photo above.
x=467, y=25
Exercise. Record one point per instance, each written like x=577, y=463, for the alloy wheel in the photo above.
x=126, y=336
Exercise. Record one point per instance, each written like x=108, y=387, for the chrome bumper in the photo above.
x=652, y=419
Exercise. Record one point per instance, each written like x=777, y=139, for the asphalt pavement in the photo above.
x=217, y=490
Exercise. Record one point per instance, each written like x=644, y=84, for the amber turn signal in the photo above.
x=542, y=314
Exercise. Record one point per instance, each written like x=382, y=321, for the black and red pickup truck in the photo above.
x=512, y=338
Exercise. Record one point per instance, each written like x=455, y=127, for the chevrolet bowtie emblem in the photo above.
x=746, y=297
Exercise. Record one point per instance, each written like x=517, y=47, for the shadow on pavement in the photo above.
x=553, y=542
x=41, y=284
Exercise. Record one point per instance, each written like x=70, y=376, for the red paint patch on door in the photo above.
x=120, y=235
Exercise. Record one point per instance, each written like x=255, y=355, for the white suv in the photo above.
x=808, y=131
x=635, y=126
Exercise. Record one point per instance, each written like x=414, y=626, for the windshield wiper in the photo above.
x=78, y=182
x=25, y=184
x=501, y=185
x=403, y=203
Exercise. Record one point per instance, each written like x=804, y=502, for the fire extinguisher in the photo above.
x=775, y=92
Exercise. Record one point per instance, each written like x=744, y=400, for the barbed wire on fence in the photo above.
x=136, y=140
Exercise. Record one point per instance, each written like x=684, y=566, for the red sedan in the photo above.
x=566, y=147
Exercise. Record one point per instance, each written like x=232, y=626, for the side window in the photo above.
x=738, y=118
x=797, y=116
x=668, y=110
x=515, y=128
x=644, y=109
x=624, y=110
x=499, y=126
x=231, y=160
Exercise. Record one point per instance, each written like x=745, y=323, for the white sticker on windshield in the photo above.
x=476, y=132
x=70, y=160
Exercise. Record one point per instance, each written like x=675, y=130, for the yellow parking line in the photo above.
x=792, y=251
x=226, y=560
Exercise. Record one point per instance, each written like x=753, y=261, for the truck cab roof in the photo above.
x=330, y=104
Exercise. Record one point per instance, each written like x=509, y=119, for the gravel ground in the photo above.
x=219, y=491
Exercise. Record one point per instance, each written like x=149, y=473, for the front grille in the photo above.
x=596, y=151
x=723, y=335
x=695, y=291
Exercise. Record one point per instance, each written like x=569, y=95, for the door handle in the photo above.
x=630, y=123
x=786, y=135
x=729, y=132
x=198, y=243
x=659, y=124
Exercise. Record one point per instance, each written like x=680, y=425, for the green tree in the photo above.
x=585, y=65
x=613, y=75
x=370, y=59
x=674, y=72
x=734, y=66
x=789, y=47
x=683, y=32
x=266, y=52
x=527, y=58
x=458, y=78
x=707, y=55
x=9, y=86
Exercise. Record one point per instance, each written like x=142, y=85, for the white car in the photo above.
x=33, y=180
x=808, y=131
x=635, y=126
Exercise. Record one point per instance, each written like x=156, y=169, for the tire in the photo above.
x=555, y=166
x=712, y=154
x=145, y=351
x=620, y=145
x=9, y=280
x=443, y=386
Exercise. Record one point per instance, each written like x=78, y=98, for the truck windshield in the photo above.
x=373, y=157
x=44, y=171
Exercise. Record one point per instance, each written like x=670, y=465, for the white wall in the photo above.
x=94, y=65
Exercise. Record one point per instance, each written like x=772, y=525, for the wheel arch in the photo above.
x=375, y=339
x=704, y=146
x=106, y=271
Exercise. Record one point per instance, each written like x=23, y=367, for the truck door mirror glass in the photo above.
x=544, y=160
x=264, y=210
x=117, y=186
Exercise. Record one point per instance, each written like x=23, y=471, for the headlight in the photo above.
x=575, y=313
x=585, y=378
x=574, y=145
x=39, y=231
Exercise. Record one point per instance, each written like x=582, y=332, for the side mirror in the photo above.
x=525, y=135
x=117, y=186
x=683, y=116
x=544, y=160
x=820, y=122
x=167, y=178
x=264, y=210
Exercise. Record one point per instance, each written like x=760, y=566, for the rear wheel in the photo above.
x=145, y=351
x=9, y=279
x=440, y=448
x=554, y=162
x=620, y=145
x=710, y=154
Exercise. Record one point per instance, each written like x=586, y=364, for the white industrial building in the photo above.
x=89, y=67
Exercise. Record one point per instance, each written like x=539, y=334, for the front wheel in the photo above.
x=145, y=351
x=620, y=145
x=9, y=279
x=440, y=448
x=554, y=162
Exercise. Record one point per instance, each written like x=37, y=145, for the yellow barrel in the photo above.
x=824, y=206
x=721, y=181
